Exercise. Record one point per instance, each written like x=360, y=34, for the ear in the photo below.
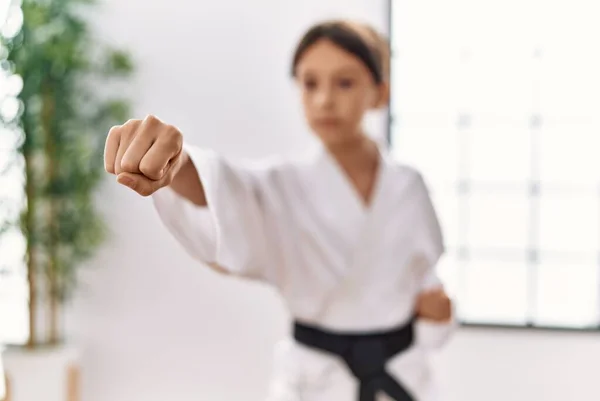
x=382, y=98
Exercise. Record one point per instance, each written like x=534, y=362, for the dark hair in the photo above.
x=342, y=34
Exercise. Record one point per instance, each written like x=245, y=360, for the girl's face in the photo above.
x=337, y=90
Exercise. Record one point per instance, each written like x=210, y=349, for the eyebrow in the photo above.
x=343, y=70
x=352, y=70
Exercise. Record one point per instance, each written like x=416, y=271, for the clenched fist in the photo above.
x=144, y=154
x=434, y=305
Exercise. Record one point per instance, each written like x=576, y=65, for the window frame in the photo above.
x=528, y=326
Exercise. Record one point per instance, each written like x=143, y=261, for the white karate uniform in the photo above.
x=300, y=226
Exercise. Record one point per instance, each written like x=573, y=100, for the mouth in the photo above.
x=328, y=121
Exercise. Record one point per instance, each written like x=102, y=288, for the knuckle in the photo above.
x=132, y=122
x=150, y=169
x=128, y=133
x=114, y=130
x=173, y=137
x=171, y=131
x=129, y=128
x=128, y=165
x=152, y=120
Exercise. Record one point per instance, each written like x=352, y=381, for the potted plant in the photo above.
x=57, y=108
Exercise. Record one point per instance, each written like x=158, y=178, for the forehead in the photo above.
x=326, y=56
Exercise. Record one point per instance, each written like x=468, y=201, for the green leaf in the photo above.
x=118, y=63
x=68, y=110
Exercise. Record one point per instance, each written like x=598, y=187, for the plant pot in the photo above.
x=2, y=377
x=42, y=374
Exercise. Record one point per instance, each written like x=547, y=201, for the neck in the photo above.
x=358, y=150
x=350, y=143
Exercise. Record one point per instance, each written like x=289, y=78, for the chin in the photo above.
x=332, y=137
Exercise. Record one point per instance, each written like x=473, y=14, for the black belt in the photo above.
x=365, y=355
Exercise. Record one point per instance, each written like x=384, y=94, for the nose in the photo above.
x=324, y=98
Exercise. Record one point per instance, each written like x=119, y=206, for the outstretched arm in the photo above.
x=147, y=155
x=150, y=157
x=187, y=182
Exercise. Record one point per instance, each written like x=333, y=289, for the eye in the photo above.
x=346, y=83
x=310, y=84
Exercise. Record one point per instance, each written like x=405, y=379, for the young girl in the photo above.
x=347, y=235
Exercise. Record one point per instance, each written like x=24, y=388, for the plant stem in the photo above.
x=31, y=256
x=51, y=246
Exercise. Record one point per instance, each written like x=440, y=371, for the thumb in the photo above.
x=138, y=182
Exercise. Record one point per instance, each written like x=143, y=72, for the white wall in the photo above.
x=156, y=326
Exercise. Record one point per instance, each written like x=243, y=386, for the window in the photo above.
x=13, y=280
x=498, y=105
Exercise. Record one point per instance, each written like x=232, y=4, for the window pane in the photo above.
x=411, y=35
x=428, y=142
x=500, y=79
x=12, y=196
x=13, y=282
x=492, y=145
x=6, y=160
x=497, y=84
x=484, y=24
x=498, y=220
x=9, y=140
x=495, y=292
x=569, y=223
x=470, y=22
x=12, y=249
x=568, y=153
x=449, y=272
x=13, y=289
x=569, y=85
x=581, y=18
x=13, y=310
x=568, y=295
x=446, y=203
x=425, y=83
